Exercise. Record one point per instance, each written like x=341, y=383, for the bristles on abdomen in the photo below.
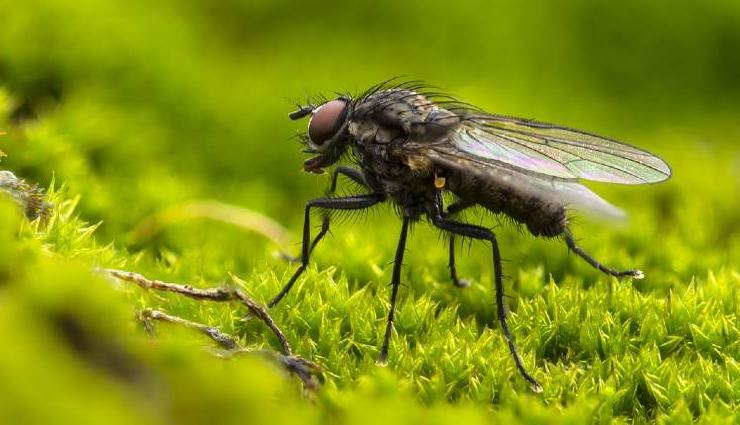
x=542, y=218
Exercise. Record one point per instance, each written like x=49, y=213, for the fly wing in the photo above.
x=556, y=151
x=561, y=191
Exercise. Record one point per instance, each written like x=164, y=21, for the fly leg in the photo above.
x=356, y=176
x=356, y=202
x=460, y=283
x=395, y=283
x=452, y=210
x=637, y=274
x=481, y=233
x=322, y=232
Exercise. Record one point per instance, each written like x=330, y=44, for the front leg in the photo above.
x=356, y=176
x=356, y=202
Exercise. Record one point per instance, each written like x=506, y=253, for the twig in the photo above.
x=304, y=369
x=212, y=294
x=27, y=195
x=222, y=339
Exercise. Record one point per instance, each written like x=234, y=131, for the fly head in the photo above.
x=327, y=132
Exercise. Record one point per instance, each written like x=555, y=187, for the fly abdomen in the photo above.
x=542, y=217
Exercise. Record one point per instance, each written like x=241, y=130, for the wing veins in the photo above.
x=615, y=168
x=619, y=146
x=608, y=166
x=662, y=172
x=580, y=158
x=514, y=140
x=548, y=141
x=594, y=147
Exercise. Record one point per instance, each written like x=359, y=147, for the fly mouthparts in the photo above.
x=315, y=165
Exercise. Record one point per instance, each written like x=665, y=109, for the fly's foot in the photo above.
x=634, y=274
x=461, y=283
x=287, y=257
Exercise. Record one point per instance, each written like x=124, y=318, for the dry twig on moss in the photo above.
x=224, y=340
x=212, y=294
x=304, y=369
x=29, y=196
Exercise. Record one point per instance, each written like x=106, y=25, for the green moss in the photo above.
x=665, y=350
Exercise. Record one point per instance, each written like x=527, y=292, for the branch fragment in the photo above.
x=224, y=340
x=304, y=369
x=219, y=294
x=29, y=196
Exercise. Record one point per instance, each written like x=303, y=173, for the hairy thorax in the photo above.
x=382, y=126
x=388, y=172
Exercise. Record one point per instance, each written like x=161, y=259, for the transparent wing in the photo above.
x=557, y=151
x=566, y=192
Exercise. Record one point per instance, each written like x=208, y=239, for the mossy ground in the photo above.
x=133, y=120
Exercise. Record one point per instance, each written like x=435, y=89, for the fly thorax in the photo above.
x=363, y=131
x=419, y=164
x=437, y=125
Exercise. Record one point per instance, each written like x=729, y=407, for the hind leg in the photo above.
x=634, y=273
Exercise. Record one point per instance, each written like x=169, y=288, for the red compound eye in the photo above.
x=325, y=121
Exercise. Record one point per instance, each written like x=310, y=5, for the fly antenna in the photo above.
x=301, y=112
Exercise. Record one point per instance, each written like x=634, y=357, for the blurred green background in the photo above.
x=138, y=107
x=145, y=104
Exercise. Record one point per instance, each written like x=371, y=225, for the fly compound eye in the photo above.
x=325, y=121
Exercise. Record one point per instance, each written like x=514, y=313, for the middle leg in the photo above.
x=395, y=283
x=460, y=283
x=481, y=233
x=451, y=211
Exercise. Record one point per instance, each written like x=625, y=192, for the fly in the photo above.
x=410, y=145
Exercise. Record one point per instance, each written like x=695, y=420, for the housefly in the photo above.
x=410, y=145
